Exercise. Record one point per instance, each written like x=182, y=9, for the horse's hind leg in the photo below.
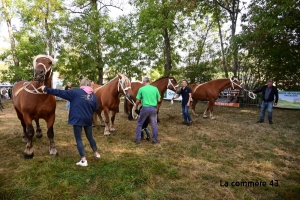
x=50, y=134
x=38, y=129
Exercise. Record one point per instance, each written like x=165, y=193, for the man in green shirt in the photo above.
x=149, y=96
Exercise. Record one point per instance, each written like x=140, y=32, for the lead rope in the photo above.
x=249, y=93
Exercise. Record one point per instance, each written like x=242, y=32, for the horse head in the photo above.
x=236, y=84
x=42, y=65
x=125, y=85
x=172, y=84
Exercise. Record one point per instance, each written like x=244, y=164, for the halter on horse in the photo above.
x=109, y=100
x=163, y=83
x=30, y=106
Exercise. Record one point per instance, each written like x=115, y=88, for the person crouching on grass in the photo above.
x=145, y=125
x=83, y=104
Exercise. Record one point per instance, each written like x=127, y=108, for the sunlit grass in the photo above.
x=188, y=163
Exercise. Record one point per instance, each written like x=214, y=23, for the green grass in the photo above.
x=189, y=162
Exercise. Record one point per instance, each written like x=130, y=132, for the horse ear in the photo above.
x=53, y=56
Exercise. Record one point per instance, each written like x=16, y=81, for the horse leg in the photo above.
x=205, y=112
x=129, y=108
x=112, y=128
x=106, y=129
x=211, y=108
x=102, y=123
x=194, y=107
x=38, y=132
x=20, y=116
x=95, y=121
x=28, y=153
x=159, y=104
x=50, y=134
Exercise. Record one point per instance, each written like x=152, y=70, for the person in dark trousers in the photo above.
x=144, y=127
x=83, y=104
x=186, y=94
x=149, y=96
x=268, y=93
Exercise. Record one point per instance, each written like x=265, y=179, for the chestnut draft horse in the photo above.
x=109, y=100
x=210, y=91
x=163, y=83
x=32, y=104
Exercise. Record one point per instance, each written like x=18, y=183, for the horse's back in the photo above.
x=202, y=92
x=135, y=86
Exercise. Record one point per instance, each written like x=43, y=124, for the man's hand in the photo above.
x=42, y=87
x=275, y=104
x=188, y=104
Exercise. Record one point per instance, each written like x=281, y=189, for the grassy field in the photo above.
x=218, y=159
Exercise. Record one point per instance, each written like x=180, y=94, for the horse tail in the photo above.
x=95, y=117
x=125, y=106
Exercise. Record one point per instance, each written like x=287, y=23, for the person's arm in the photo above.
x=65, y=94
x=258, y=91
x=190, y=96
x=276, y=96
x=175, y=97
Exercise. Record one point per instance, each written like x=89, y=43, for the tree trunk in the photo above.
x=48, y=32
x=222, y=47
x=96, y=32
x=168, y=64
x=11, y=35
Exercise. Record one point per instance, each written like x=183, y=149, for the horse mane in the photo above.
x=42, y=56
x=165, y=77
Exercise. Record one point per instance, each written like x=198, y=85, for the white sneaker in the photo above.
x=82, y=163
x=97, y=155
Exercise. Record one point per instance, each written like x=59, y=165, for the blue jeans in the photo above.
x=185, y=112
x=68, y=105
x=89, y=136
x=264, y=106
x=145, y=112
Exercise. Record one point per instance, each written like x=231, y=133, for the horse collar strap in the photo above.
x=34, y=90
x=170, y=83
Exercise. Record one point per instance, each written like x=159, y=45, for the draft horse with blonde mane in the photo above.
x=31, y=103
x=163, y=83
x=109, y=100
x=210, y=91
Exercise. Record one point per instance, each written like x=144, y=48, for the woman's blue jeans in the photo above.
x=89, y=136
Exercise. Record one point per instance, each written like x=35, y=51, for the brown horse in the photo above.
x=109, y=100
x=32, y=104
x=210, y=91
x=163, y=83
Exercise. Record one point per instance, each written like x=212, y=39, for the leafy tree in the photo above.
x=158, y=29
x=271, y=41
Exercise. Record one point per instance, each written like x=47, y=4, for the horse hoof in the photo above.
x=204, y=117
x=25, y=140
x=39, y=136
x=213, y=118
x=28, y=156
x=54, y=154
x=102, y=125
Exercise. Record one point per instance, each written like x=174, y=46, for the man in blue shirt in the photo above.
x=268, y=92
x=186, y=94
